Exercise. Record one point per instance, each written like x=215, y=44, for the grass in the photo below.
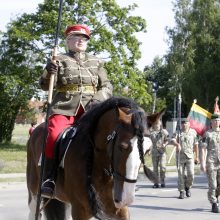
x=12, y=158
x=13, y=155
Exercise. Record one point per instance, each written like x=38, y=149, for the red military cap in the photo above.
x=78, y=29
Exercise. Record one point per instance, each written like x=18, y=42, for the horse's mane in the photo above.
x=89, y=119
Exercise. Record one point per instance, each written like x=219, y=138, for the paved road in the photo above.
x=158, y=204
x=163, y=204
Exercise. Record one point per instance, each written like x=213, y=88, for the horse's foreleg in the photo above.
x=79, y=213
x=32, y=207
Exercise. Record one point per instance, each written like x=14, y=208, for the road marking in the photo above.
x=169, y=190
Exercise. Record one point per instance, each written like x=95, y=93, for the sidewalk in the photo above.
x=170, y=171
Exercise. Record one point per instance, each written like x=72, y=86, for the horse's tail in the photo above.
x=55, y=210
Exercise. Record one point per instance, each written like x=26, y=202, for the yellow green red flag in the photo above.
x=199, y=119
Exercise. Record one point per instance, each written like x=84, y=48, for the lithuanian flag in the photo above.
x=199, y=119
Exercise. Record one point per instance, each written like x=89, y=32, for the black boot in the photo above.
x=215, y=208
x=188, y=193
x=49, y=176
x=156, y=185
x=163, y=184
x=181, y=196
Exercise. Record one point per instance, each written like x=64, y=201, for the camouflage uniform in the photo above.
x=185, y=159
x=212, y=143
x=159, y=138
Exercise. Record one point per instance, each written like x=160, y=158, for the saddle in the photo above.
x=62, y=144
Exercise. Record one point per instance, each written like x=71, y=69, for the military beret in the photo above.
x=77, y=29
x=215, y=117
x=183, y=120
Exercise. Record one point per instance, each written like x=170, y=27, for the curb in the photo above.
x=11, y=175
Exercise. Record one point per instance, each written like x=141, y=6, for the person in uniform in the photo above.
x=211, y=148
x=80, y=81
x=159, y=138
x=186, y=145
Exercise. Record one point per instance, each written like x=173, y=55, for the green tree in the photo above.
x=156, y=75
x=194, y=51
x=30, y=38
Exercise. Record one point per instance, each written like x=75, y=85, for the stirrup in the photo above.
x=47, y=188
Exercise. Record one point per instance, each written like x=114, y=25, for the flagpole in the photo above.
x=179, y=127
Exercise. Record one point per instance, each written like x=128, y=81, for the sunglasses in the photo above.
x=77, y=37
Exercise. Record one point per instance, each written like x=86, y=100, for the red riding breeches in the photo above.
x=56, y=124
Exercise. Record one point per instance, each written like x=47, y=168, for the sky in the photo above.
x=157, y=13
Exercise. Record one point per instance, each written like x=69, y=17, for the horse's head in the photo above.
x=117, y=134
x=125, y=154
x=119, y=149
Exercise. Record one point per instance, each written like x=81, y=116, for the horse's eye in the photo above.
x=124, y=146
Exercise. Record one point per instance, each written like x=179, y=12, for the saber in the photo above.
x=49, y=101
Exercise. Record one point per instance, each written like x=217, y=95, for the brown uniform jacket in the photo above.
x=81, y=79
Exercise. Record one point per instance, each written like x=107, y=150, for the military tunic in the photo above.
x=81, y=78
x=212, y=143
x=185, y=159
x=159, y=138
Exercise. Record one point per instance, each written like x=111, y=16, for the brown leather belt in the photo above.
x=77, y=88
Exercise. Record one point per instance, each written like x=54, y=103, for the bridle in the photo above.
x=111, y=140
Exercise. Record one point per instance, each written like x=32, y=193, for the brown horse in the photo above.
x=101, y=164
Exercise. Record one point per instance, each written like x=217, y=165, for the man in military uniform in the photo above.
x=186, y=144
x=211, y=146
x=159, y=138
x=80, y=80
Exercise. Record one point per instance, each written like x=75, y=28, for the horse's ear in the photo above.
x=151, y=119
x=123, y=116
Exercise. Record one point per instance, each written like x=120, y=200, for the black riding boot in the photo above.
x=49, y=176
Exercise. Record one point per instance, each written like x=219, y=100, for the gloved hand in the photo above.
x=196, y=161
x=51, y=66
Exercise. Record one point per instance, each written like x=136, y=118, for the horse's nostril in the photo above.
x=117, y=201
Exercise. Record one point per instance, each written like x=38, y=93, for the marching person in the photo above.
x=185, y=149
x=159, y=138
x=211, y=148
x=80, y=81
